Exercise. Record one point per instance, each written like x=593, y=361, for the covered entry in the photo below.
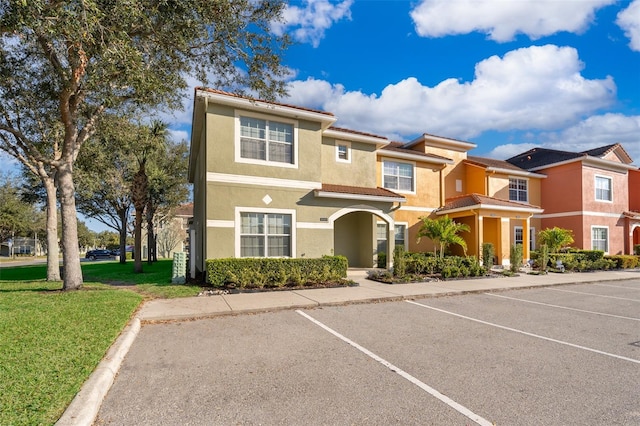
x=491, y=220
x=354, y=225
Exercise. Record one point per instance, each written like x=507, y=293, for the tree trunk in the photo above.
x=150, y=247
x=137, y=247
x=53, y=252
x=72, y=274
x=123, y=235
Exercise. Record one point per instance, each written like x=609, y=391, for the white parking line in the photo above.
x=619, y=286
x=624, y=358
x=593, y=294
x=562, y=307
x=451, y=403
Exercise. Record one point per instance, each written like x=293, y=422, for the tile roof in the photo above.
x=358, y=190
x=235, y=95
x=355, y=132
x=538, y=157
x=490, y=162
x=184, y=210
x=471, y=200
x=399, y=147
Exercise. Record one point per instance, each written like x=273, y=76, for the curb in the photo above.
x=84, y=408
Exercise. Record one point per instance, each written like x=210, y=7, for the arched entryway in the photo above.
x=355, y=235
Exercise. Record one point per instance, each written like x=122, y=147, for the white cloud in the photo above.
x=503, y=20
x=539, y=88
x=308, y=24
x=629, y=21
x=179, y=135
x=593, y=132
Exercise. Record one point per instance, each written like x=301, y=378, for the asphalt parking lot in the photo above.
x=567, y=355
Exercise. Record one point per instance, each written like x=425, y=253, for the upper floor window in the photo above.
x=398, y=176
x=343, y=152
x=604, y=188
x=266, y=140
x=518, y=190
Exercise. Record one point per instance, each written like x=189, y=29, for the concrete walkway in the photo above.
x=84, y=408
x=366, y=291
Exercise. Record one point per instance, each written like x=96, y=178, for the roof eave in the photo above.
x=378, y=142
x=266, y=107
x=415, y=157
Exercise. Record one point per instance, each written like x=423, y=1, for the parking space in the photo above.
x=560, y=355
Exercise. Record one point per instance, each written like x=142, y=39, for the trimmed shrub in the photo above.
x=636, y=249
x=271, y=272
x=488, y=253
x=399, y=262
x=623, y=261
x=382, y=260
x=515, y=257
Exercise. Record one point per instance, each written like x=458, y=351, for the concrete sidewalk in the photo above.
x=366, y=291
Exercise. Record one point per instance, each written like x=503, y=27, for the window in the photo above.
x=266, y=140
x=518, y=190
x=400, y=232
x=600, y=238
x=398, y=176
x=265, y=235
x=603, y=188
x=518, y=237
x=343, y=152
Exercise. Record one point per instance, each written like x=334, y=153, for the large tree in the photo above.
x=63, y=64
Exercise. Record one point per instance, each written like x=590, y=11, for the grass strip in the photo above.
x=51, y=341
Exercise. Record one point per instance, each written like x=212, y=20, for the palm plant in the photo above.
x=556, y=238
x=443, y=232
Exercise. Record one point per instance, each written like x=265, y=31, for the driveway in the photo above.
x=564, y=355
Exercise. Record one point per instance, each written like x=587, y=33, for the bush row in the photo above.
x=407, y=263
x=586, y=260
x=269, y=272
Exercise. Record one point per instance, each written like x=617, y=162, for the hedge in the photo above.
x=447, y=267
x=275, y=272
x=589, y=260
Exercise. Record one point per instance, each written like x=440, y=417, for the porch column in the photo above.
x=525, y=239
x=480, y=234
x=391, y=244
x=505, y=241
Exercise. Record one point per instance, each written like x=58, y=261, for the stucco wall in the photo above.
x=359, y=171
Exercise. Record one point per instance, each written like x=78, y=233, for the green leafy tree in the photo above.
x=106, y=167
x=167, y=187
x=443, y=232
x=64, y=64
x=17, y=217
x=555, y=238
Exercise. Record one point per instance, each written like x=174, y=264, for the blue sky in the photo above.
x=506, y=75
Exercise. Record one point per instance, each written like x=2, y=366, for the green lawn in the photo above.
x=51, y=341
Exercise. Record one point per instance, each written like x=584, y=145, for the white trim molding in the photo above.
x=577, y=213
x=262, y=181
x=216, y=223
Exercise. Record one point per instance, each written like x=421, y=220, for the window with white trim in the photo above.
x=266, y=140
x=604, y=186
x=343, y=152
x=400, y=237
x=518, y=190
x=600, y=238
x=397, y=176
x=265, y=235
x=518, y=237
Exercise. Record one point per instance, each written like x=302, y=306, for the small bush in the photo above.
x=636, y=249
x=515, y=257
x=623, y=261
x=382, y=260
x=399, y=262
x=488, y=252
